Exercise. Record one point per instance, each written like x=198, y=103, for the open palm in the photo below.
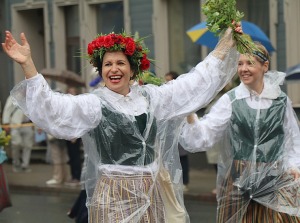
x=19, y=53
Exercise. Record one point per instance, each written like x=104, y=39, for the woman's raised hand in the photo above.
x=20, y=53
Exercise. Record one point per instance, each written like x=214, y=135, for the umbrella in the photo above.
x=293, y=73
x=200, y=35
x=65, y=76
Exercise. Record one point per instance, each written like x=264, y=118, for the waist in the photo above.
x=114, y=169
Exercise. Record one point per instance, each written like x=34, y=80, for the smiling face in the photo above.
x=116, y=72
x=251, y=72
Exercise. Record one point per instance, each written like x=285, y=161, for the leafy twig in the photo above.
x=220, y=15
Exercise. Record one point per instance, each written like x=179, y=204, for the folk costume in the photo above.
x=260, y=141
x=133, y=172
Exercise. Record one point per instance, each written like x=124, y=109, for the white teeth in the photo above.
x=115, y=77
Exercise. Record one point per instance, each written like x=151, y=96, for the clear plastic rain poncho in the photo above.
x=130, y=140
x=260, y=142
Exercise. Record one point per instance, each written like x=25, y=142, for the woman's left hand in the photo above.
x=238, y=27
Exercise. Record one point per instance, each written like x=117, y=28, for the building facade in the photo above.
x=59, y=30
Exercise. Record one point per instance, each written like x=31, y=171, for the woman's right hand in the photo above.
x=20, y=53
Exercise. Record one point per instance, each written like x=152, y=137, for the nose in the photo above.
x=114, y=68
x=243, y=67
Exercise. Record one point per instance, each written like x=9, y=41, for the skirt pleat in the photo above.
x=126, y=198
x=235, y=207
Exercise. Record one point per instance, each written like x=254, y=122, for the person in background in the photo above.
x=79, y=211
x=58, y=154
x=171, y=75
x=183, y=154
x=258, y=169
x=130, y=132
x=74, y=153
x=22, y=135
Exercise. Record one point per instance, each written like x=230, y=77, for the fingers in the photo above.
x=9, y=41
x=237, y=27
x=23, y=39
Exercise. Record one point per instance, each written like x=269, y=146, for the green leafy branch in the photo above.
x=220, y=15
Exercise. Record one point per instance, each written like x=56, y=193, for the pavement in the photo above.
x=202, y=181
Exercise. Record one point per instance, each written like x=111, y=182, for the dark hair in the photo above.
x=173, y=74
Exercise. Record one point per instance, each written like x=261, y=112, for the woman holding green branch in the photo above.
x=258, y=167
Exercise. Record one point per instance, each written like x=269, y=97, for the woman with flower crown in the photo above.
x=130, y=132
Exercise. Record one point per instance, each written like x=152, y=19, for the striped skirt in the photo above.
x=126, y=198
x=235, y=206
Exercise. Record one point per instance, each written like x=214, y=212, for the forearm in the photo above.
x=224, y=45
x=201, y=134
x=29, y=69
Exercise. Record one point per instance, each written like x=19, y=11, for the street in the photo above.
x=49, y=208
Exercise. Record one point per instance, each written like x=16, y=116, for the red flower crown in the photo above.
x=134, y=49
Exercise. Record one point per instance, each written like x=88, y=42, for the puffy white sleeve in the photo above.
x=292, y=137
x=205, y=132
x=64, y=116
x=194, y=90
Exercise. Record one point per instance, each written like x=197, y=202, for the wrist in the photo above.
x=29, y=68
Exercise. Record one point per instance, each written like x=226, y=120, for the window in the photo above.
x=114, y=11
x=72, y=38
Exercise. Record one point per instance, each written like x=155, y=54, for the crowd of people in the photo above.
x=131, y=133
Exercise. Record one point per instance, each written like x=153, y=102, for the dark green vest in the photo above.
x=120, y=141
x=266, y=133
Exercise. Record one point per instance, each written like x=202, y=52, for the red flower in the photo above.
x=117, y=42
x=119, y=39
x=129, y=46
x=91, y=47
x=108, y=41
x=99, y=42
x=145, y=63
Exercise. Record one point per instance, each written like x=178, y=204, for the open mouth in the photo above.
x=115, y=79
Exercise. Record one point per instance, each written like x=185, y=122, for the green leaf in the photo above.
x=220, y=14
